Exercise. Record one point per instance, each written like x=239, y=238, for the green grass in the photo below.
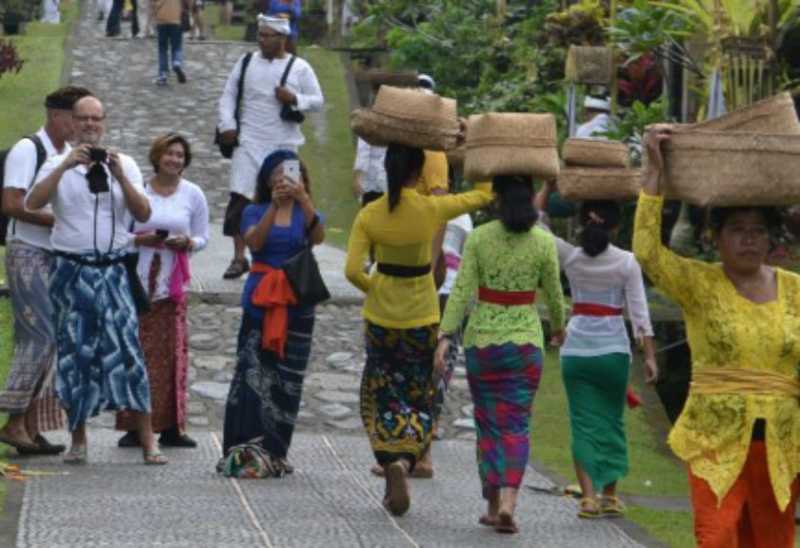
x=221, y=32
x=329, y=156
x=673, y=528
x=22, y=96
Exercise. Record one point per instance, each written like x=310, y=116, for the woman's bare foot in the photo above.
x=420, y=471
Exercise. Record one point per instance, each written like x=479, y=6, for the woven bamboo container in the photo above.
x=595, y=153
x=511, y=144
x=775, y=114
x=589, y=65
x=708, y=168
x=599, y=183
x=408, y=117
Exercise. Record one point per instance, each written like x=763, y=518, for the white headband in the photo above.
x=596, y=104
x=278, y=24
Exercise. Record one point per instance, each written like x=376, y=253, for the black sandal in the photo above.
x=236, y=269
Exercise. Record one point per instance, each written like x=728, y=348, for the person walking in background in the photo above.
x=505, y=262
x=167, y=15
x=401, y=312
x=287, y=9
x=263, y=126
x=93, y=191
x=276, y=333
x=369, y=175
x=29, y=396
x=51, y=12
x=597, y=118
x=596, y=355
x=738, y=431
x=198, y=31
x=177, y=227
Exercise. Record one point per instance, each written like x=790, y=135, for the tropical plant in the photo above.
x=639, y=80
x=581, y=23
x=630, y=124
x=9, y=58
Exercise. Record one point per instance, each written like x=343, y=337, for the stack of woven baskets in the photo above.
x=597, y=170
x=748, y=157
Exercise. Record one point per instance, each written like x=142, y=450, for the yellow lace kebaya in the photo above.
x=727, y=334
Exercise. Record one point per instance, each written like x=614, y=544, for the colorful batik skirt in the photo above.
x=164, y=337
x=596, y=389
x=100, y=361
x=264, y=398
x=503, y=380
x=397, y=391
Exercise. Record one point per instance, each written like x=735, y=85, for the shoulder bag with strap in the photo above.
x=302, y=272
x=41, y=157
x=288, y=112
x=225, y=149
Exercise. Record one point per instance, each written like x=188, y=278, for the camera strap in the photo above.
x=287, y=70
x=113, y=221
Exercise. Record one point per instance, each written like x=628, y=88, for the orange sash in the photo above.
x=274, y=294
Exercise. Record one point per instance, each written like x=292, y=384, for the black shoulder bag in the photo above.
x=225, y=149
x=288, y=112
x=302, y=272
x=138, y=292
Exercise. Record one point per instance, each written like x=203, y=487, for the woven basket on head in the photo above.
x=511, y=144
x=599, y=183
x=595, y=152
x=708, y=168
x=589, y=65
x=408, y=117
x=775, y=114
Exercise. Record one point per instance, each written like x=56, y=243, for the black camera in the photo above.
x=162, y=233
x=98, y=154
x=98, y=178
x=291, y=114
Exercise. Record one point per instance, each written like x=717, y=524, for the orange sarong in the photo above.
x=275, y=295
x=748, y=516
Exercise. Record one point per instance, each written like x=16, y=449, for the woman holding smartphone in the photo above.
x=177, y=227
x=275, y=336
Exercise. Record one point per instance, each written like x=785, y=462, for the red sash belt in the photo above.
x=508, y=298
x=274, y=294
x=592, y=309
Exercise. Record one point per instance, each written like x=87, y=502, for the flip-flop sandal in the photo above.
x=612, y=507
x=376, y=470
x=17, y=444
x=237, y=268
x=506, y=524
x=154, y=458
x=399, y=499
x=488, y=521
x=77, y=454
x=588, y=509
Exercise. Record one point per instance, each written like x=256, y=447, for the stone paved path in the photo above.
x=331, y=500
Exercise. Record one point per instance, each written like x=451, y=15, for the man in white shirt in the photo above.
x=597, y=115
x=369, y=173
x=50, y=12
x=94, y=192
x=29, y=397
x=261, y=129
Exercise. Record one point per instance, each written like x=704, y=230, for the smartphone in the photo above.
x=98, y=154
x=291, y=170
x=161, y=233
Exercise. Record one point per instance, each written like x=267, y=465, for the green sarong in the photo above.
x=596, y=389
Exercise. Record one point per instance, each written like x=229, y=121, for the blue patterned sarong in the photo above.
x=100, y=361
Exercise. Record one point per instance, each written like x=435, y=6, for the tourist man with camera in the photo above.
x=29, y=395
x=271, y=89
x=95, y=192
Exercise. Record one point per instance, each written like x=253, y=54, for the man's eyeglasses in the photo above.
x=89, y=118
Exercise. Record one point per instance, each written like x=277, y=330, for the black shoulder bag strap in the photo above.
x=287, y=70
x=240, y=89
x=41, y=157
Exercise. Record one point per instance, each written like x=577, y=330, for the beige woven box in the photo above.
x=409, y=117
x=774, y=114
x=589, y=65
x=511, y=144
x=595, y=153
x=708, y=168
x=599, y=183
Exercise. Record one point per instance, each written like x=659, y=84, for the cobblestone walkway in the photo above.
x=331, y=500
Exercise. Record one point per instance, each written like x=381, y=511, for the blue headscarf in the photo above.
x=270, y=163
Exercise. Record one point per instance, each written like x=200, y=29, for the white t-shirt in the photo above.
x=370, y=162
x=74, y=209
x=593, y=128
x=19, y=172
x=262, y=130
x=183, y=213
x=455, y=236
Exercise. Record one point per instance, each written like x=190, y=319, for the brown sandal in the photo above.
x=506, y=524
x=588, y=508
x=236, y=269
x=487, y=520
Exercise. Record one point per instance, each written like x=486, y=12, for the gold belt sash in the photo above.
x=741, y=382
